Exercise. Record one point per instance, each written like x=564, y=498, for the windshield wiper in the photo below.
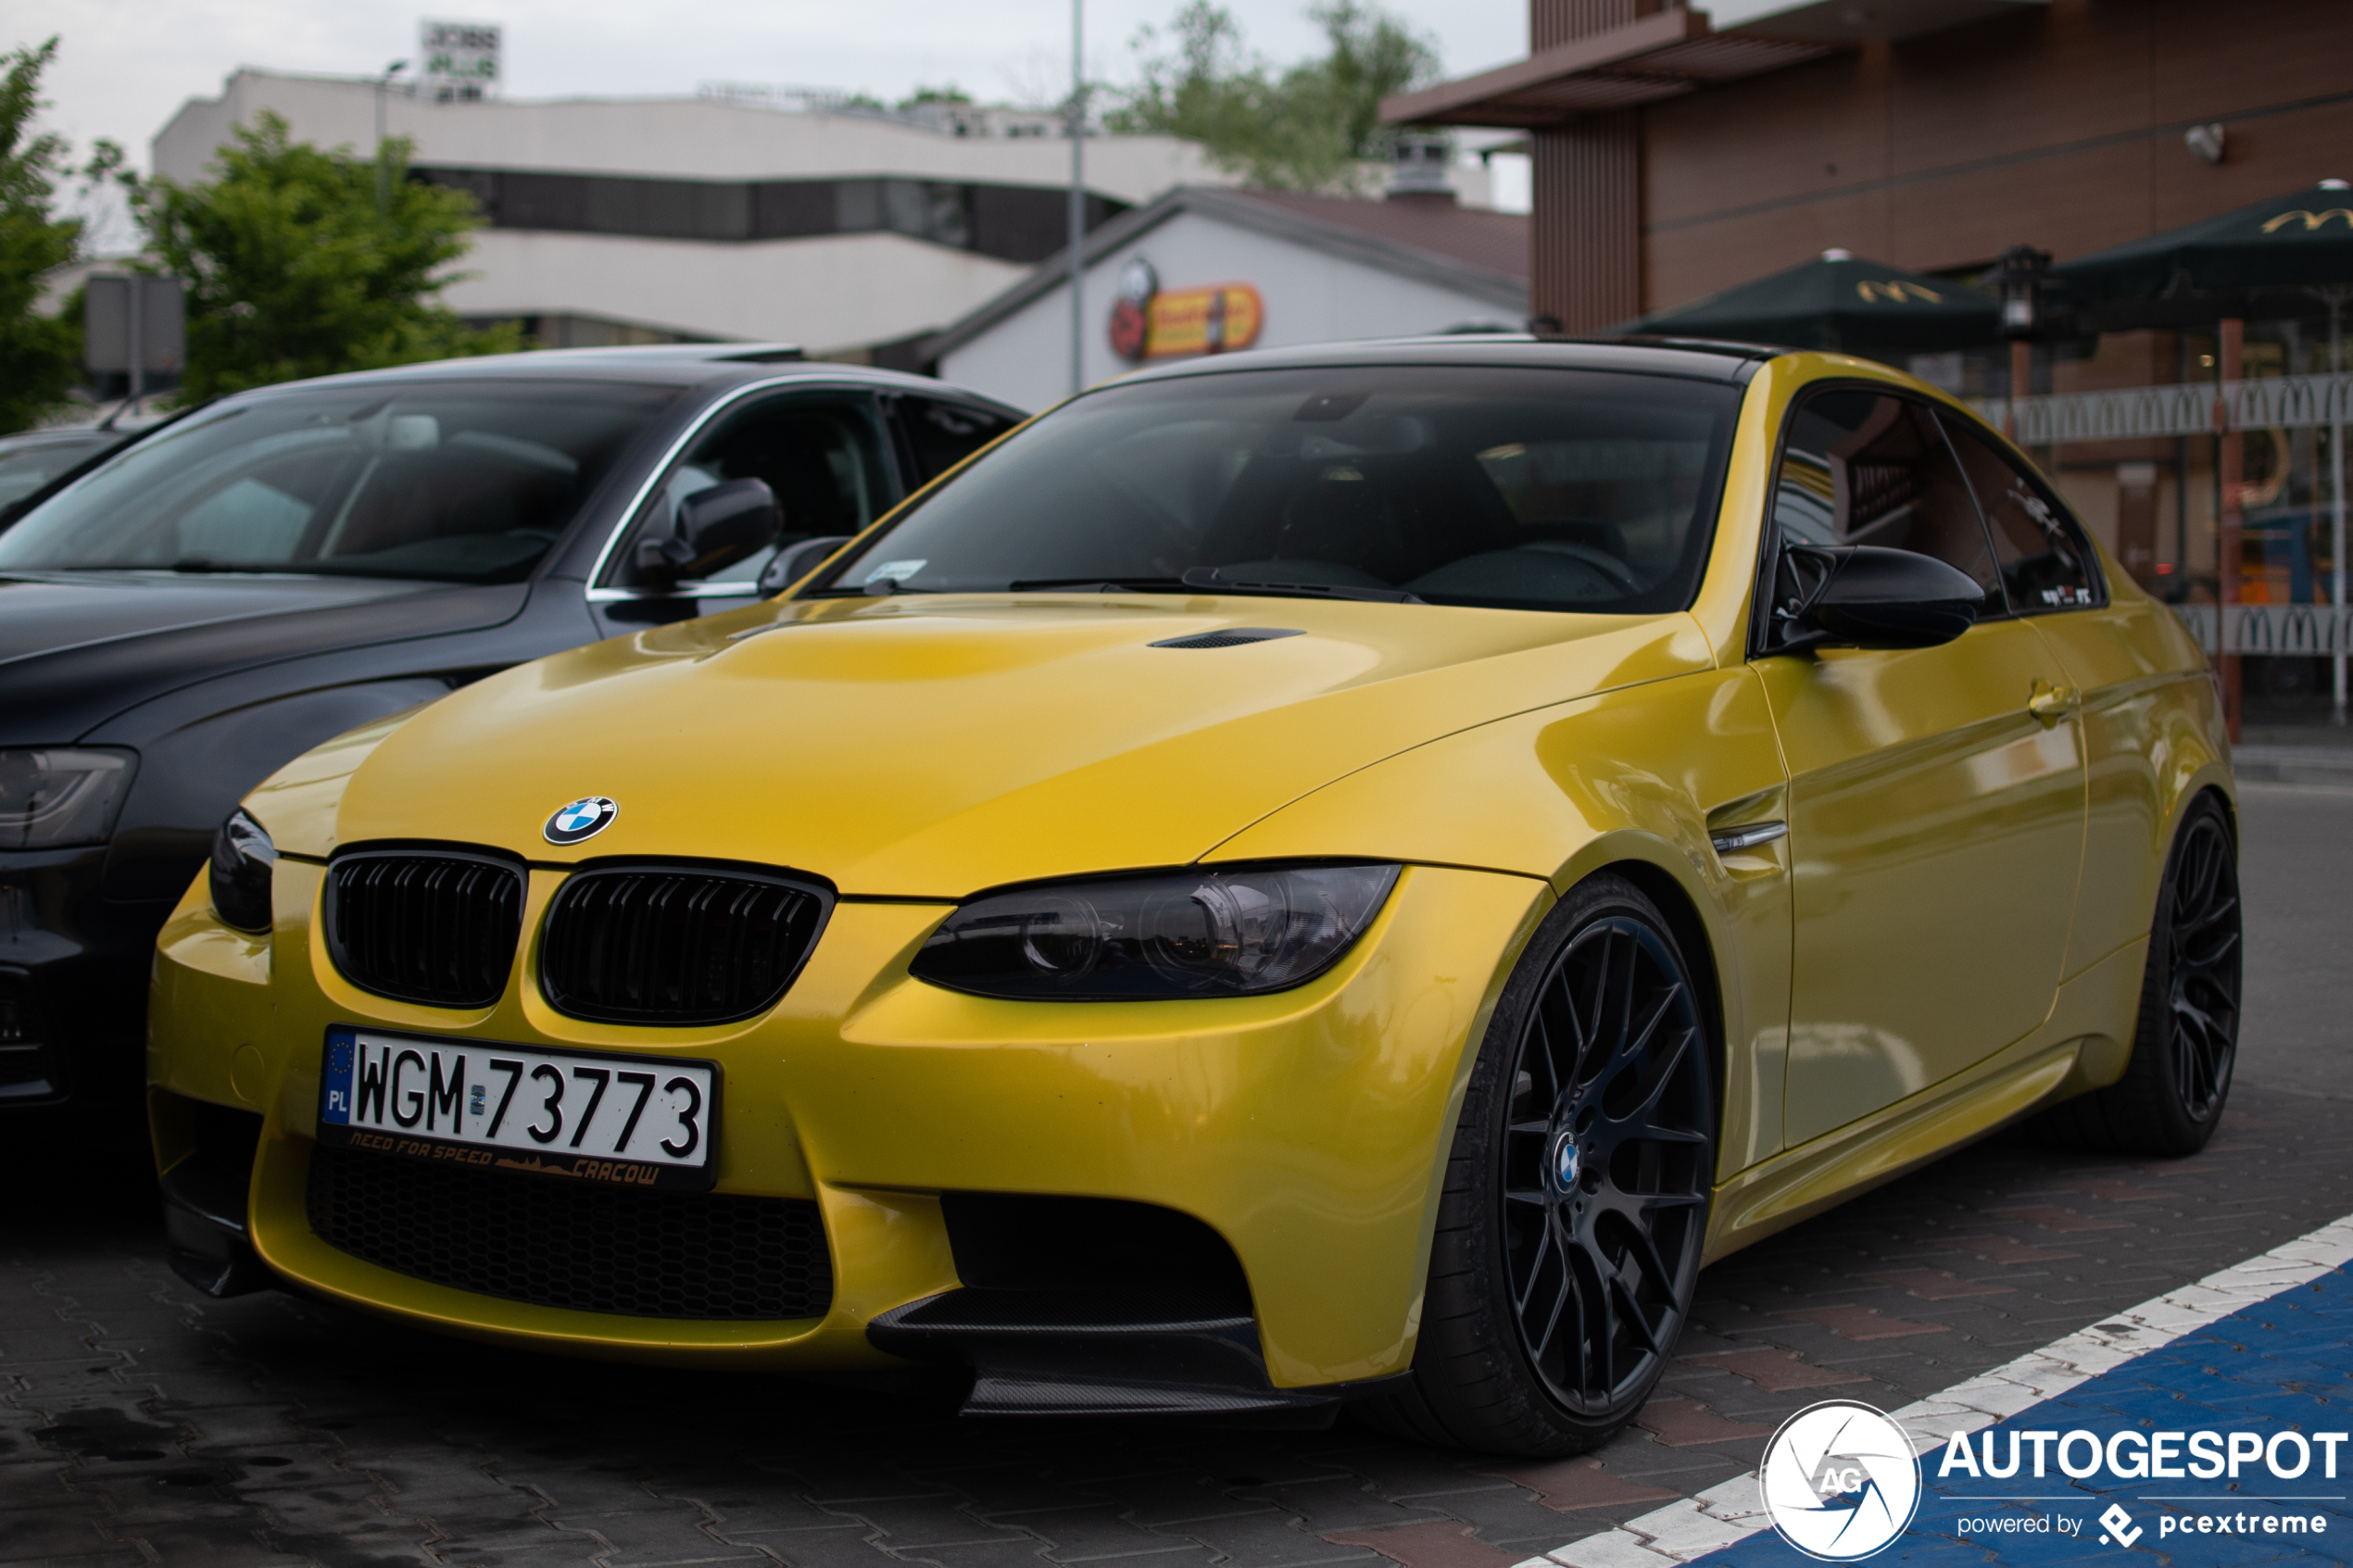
x=205, y=563
x=1093, y=585
x=1207, y=577
x=880, y=588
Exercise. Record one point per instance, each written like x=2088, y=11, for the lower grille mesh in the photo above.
x=564, y=1243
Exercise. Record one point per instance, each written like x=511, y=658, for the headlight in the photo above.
x=242, y=859
x=54, y=798
x=1223, y=933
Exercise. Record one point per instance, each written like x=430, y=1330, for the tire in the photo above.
x=2185, y=1041
x=1577, y=1193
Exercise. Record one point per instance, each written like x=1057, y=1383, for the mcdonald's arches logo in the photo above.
x=2311, y=221
x=1895, y=291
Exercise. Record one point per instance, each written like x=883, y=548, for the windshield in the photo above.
x=1519, y=488
x=467, y=482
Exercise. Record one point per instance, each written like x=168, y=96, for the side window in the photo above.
x=821, y=455
x=1866, y=468
x=943, y=434
x=2045, y=561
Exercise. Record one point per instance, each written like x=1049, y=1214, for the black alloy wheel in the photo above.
x=2202, y=957
x=1577, y=1198
x=2185, y=1041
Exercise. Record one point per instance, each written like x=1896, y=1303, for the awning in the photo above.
x=1672, y=52
x=1661, y=55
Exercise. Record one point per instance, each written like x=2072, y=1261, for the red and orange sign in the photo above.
x=1164, y=324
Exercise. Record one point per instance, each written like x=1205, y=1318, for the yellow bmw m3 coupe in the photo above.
x=1321, y=878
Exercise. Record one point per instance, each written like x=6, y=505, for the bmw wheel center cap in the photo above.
x=584, y=817
x=1565, y=1164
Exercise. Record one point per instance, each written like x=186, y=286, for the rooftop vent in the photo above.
x=1420, y=162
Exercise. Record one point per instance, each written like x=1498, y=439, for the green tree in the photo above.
x=39, y=355
x=301, y=262
x=1301, y=129
x=951, y=93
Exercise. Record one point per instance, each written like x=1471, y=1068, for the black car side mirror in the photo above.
x=717, y=527
x=1867, y=597
x=797, y=561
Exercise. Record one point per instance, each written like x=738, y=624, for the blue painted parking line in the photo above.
x=2212, y=1425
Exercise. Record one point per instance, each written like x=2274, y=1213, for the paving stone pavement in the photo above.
x=141, y=1423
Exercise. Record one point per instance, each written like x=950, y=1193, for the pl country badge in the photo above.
x=1841, y=1480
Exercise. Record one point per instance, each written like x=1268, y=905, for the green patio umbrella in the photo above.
x=2275, y=258
x=1839, y=302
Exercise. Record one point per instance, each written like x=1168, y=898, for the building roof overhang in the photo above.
x=1663, y=55
x=1673, y=51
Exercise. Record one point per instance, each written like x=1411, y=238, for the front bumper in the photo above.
x=1307, y=1129
x=73, y=979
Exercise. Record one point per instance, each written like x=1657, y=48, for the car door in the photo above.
x=824, y=453
x=1936, y=795
x=2115, y=655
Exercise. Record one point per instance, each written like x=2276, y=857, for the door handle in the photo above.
x=2052, y=703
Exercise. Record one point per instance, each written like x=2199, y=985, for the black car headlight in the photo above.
x=243, y=857
x=1229, y=932
x=57, y=797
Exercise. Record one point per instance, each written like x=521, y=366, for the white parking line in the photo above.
x=1727, y=1514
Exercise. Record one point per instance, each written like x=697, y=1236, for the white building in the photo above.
x=1203, y=268
x=724, y=217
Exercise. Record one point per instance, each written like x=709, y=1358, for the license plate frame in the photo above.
x=469, y=1081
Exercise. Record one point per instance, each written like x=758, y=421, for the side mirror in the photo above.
x=717, y=527
x=1866, y=596
x=797, y=561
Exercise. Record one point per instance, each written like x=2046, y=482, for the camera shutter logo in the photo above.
x=584, y=817
x=1841, y=1480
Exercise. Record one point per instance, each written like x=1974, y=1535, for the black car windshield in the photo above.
x=1523, y=488
x=467, y=481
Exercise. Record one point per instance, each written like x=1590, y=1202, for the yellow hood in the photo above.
x=928, y=748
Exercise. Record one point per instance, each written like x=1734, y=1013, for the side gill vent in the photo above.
x=1230, y=637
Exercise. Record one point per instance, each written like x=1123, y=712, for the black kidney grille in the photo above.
x=436, y=928
x=638, y=1252
x=675, y=944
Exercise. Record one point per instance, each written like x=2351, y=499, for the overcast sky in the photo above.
x=124, y=66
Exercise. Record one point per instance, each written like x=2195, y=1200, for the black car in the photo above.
x=235, y=586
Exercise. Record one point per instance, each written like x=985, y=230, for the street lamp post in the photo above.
x=1077, y=195
x=384, y=170
x=2019, y=273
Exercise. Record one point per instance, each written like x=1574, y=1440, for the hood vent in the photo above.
x=1230, y=637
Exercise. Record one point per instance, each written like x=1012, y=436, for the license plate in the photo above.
x=633, y=1120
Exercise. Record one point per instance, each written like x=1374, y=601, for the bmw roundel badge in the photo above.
x=584, y=817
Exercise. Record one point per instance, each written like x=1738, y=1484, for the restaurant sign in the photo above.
x=1148, y=322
